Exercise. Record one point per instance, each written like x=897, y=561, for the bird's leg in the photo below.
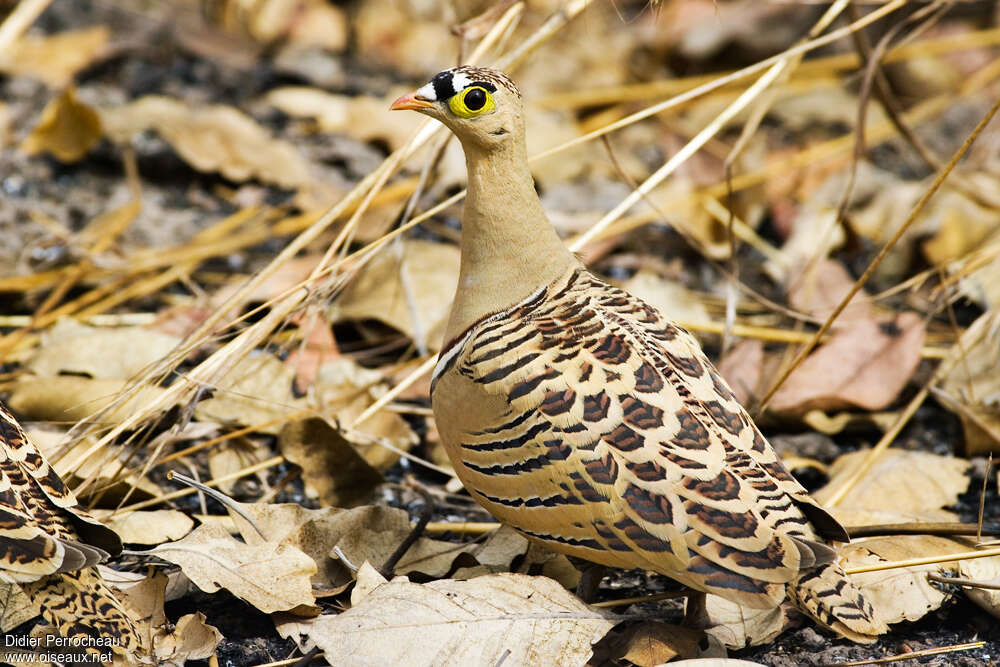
x=590, y=578
x=694, y=606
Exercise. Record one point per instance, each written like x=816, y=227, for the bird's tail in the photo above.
x=79, y=605
x=827, y=595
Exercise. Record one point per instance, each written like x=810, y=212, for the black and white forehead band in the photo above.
x=445, y=84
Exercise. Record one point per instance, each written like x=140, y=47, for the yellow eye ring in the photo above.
x=473, y=101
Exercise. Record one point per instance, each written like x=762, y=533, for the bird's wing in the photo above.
x=42, y=530
x=656, y=463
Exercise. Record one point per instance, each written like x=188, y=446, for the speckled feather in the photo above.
x=49, y=545
x=608, y=435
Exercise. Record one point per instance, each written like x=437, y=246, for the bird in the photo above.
x=49, y=546
x=582, y=417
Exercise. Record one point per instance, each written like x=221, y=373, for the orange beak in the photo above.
x=411, y=101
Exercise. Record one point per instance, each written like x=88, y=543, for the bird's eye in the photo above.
x=472, y=101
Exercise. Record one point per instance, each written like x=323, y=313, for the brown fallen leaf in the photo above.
x=743, y=368
x=213, y=138
x=72, y=348
x=735, y=626
x=69, y=398
x=865, y=363
x=972, y=386
x=258, y=389
x=982, y=570
x=236, y=454
x=409, y=289
x=68, y=129
x=652, y=643
x=670, y=297
x=903, y=593
x=269, y=576
x=55, y=58
x=361, y=117
x=899, y=480
x=502, y=617
x=170, y=644
x=345, y=389
x=15, y=607
x=147, y=527
x=332, y=469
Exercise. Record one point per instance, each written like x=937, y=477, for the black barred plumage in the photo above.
x=49, y=545
x=580, y=416
x=678, y=466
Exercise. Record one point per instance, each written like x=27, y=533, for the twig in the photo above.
x=389, y=567
x=672, y=595
x=929, y=560
x=218, y=495
x=945, y=528
x=907, y=656
x=967, y=583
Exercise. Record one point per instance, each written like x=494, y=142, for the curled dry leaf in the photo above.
x=15, y=607
x=68, y=129
x=270, y=576
x=983, y=570
x=332, y=469
x=409, y=288
x=345, y=389
x=736, y=626
x=902, y=593
x=72, y=348
x=171, y=645
x=214, y=138
x=513, y=618
x=899, y=480
x=972, y=387
x=54, y=58
x=652, y=643
x=147, y=527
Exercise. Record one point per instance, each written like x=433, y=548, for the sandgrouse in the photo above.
x=49, y=546
x=579, y=415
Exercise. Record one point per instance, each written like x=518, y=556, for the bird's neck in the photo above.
x=509, y=247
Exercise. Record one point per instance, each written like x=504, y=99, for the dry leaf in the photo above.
x=972, y=386
x=147, y=527
x=233, y=455
x=736, y=626
x=903, y=593
x=271, y=577
x=192, y=639
x=368, y=580
x=70, y=398
x=15, y=607
x=213, y=138
x=653, y=643
x=72, y=348
x=258, y=389
x=983, y=570
x=54, y=59
x=409, y=288
x=899, y=480
x=512, y=618
x=68, y=129
x=675, y=301
x=361, y=117
x=867, y=361
x=345, y=389
x=743, y=368
x=79, y=464
x=331, y=468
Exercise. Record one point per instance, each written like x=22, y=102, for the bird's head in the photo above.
x=481, y=106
